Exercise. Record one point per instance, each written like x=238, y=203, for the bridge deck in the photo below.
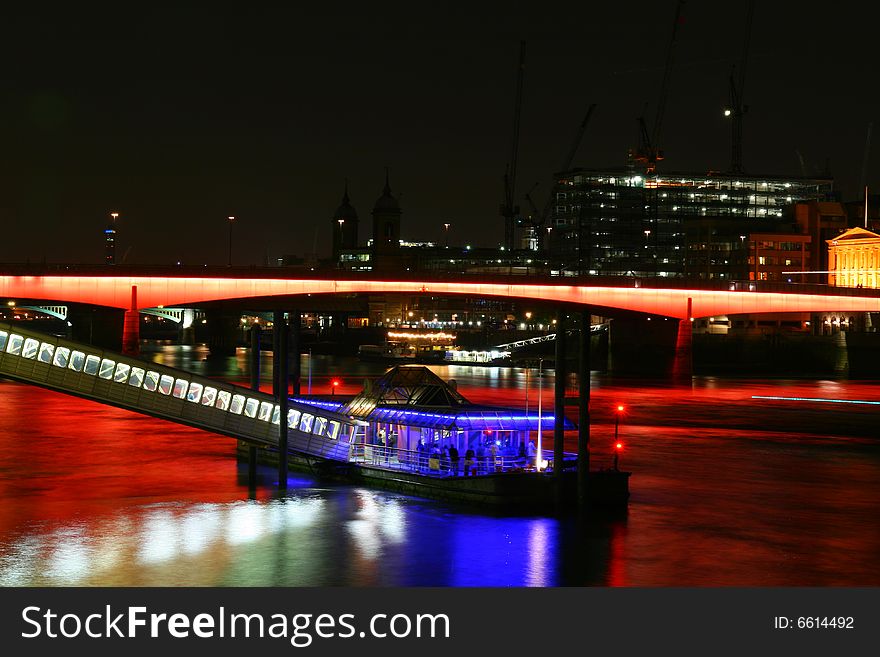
x=169, y=393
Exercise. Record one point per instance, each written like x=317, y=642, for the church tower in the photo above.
x=344, y=226
x=386, y=223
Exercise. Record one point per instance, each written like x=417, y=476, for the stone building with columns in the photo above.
x=854, y=259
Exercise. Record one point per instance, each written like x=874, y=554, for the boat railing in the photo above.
x=440, y=465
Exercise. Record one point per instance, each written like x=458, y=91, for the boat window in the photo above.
x=250, y=408
x=62, y=357
x=121, y=373
x=333, y=431
x=305, y=423
x=195, y=392
x=265, y=411
x=30, y=348
x=46, y=351
x=237, y=404
x=320, y=426
x=77, y=358
x=179, y=390
x=223, y=398
x=209, y=396
x=91, y=366
x=14, y=346
x=166, y=382
x=276, y=414
x=292, y=418
x=3, y=336
x=137, y=377
x=152, y=381
x=106, y=370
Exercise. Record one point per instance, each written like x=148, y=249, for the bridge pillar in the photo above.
x=683, y=366
x=559, y=401
x=101, y=327
x=295, y=342
x=187, y=328
x=281, y=391
x=223, y=329
x=583, y=462
x=131, y=327
x=255, y=385
x=642, y=346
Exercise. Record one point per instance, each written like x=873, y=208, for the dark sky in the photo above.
x=179, y=117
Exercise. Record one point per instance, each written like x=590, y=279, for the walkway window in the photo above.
x=276, y=414
x=3, y=336
x=46, y=351
x=14, y=346
x=320, y=426
x=121, y=373
x=166, y=382
x=237, y=404
x=209, y=396
x=333, y=431
x=62, y=357
x=195, y=392
x=151, y=382
x=250, y=408
x=223, y=399
x=91, y=366
x=136, y=377
x=292, y=418
x=265, y=411
x=77, y=359
x=180, y=388
x=305, y=423
x=30, y=348
x=106, y=370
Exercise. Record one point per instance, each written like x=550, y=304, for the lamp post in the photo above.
x=617, y=444
x=446, y=226
x=231, y=221
x=539, y=455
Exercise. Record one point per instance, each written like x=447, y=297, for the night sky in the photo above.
x=179, y=117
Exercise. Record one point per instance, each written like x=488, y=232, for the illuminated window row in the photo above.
x=152, y=381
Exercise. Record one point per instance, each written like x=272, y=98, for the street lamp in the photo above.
x=446, y=226
x=617, y=444
x=539, y=454
x=231, y=221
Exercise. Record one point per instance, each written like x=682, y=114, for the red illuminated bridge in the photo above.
x=112, y=287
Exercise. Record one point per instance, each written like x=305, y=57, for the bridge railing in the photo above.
x=168, y=393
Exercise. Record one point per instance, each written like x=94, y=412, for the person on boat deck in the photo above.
x=493, y=453
x=468, y=460
x=453, y=460
x=530, y=452
x=422, y=449
x=481, y=457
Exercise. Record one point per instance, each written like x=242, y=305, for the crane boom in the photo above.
x=737, y=89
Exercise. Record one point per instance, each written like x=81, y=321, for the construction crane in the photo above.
x=648, y=150
x=509, y=210
x=737, y=109
x=539, y=218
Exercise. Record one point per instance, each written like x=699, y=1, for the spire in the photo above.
x=345, y=199
x=387, y=190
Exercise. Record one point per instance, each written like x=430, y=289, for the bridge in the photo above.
x=178, y=287
x=171, y=394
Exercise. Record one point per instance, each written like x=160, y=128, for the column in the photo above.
x=296, y=366
x=583, y=462
x=559, y=400
x=256, y=330
x=683, y=366
x=131, y=327
x=281, y=393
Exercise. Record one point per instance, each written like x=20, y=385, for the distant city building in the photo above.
x=386, y=224
x=110, y=240
x=620, y=222
x=779, y=257
x=822, y=221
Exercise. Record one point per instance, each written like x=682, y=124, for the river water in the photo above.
x=727, y=490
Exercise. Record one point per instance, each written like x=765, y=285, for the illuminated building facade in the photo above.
x=854, y=259
x=626, y=223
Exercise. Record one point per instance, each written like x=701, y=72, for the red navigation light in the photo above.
x=619, y=446
x=620, y=408
x=335, y=383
